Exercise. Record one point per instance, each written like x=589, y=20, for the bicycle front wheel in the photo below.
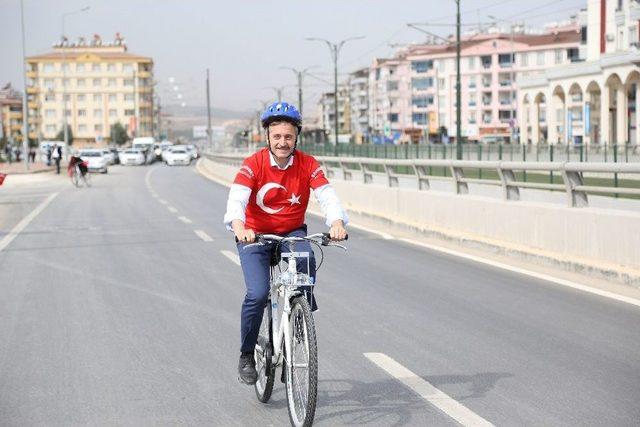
x=75, y=180
x=302, y=371
x=87, y=179
x=264, y=357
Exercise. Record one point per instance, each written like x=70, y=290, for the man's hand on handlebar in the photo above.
x=244, y=235
x=337, y=232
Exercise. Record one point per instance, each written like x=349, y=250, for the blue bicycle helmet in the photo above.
x=281, y=111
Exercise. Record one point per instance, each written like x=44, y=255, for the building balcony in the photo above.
x=487, y=102
x=486, y=83
x=472, y=103
x=472, y=85
x=32, y=74
x=33, y=105
x=16, y=127
x=504, y=83
x=505, y=102
x=143, y=74
x=32, y=89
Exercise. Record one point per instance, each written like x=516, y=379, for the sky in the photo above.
x=245, y=42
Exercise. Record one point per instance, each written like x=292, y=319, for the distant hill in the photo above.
x=201, y=111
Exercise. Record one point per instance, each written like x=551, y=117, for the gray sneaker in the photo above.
x=247, y=369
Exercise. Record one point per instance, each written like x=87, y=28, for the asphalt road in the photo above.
x=113, y=311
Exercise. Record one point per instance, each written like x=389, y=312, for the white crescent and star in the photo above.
x=263, y=192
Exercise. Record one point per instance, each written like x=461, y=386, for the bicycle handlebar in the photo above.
x=325, y=238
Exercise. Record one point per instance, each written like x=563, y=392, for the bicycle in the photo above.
x=76, y=175
x=291, y=331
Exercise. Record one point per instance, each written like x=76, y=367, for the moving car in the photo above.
x=96, y=161
x=178, y=156
x=111, y=158
x=132, y=156
x=193, y=150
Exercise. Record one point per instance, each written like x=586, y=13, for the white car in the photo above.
x=111, y=158
x=96, y=161
x=132, y=156
x=178, y=156
x=193, y=150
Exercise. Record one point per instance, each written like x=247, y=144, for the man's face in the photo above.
x=282, y=139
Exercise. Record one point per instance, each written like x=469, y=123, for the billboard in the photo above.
x=199, y=132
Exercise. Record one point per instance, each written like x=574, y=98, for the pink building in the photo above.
x=415, y=90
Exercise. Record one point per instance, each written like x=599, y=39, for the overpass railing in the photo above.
x=511, y=176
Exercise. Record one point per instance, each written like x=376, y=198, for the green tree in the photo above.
x=118, y=134
x=60, y=135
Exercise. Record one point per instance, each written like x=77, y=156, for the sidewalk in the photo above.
x=19, y=168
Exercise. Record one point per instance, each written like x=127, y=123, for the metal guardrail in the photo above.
x=572, y=174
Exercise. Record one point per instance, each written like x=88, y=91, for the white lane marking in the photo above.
x=163, y=201
x=385, y=236
x=204, y=236
x=147, y=177
x=25, y=221
x=154, y=195
x=185, y=219
x=233, y=257
x=172, y=209
x=427, y=391
x=542, y=276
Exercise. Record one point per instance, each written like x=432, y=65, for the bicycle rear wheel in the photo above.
x=75, y=179
x=302, y=374
x=87, y=179
x=264, y=357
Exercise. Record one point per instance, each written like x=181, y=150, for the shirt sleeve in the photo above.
x=330, y=204
x=247, y=174
x=237, y=204
x=316, y=175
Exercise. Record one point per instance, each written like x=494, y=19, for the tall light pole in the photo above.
x=25, y=111
x=299, y=74
x=334, y=48
x=458, y=97
x=64, y=74
x=209, y=131
x=511, y=76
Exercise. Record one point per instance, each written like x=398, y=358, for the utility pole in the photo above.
x=458, y=97
x=334, y=49
x=159, y=119
x=209, y=135
x=300, y=76
x=25, y=111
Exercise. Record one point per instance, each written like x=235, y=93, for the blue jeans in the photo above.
x=255, y=268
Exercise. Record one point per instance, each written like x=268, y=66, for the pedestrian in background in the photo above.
x=48, y=155
x=57, y=156
x=7, y=152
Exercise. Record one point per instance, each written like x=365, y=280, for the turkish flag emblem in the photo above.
x=2, y=177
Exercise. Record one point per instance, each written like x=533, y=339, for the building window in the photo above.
x=127, y=68
x=65, y=68
x=633, y=36
x=97, y=82
x=419, y=118
x=422, y=101
x=558, y=56
x=524, y=59
x=392, y=85
x=80, y=83
x=128, y=97
x=393, y=117
x=540, y=58
x=80, y=68
x=111, y=82
x=128, y=82
x=48, y=83
x=47, y=68
x=97, y=128
x=97, y=113
x=82, y=98
x=67, y=113
x=50, y=97
x=113, y=113
x=113, y=97
x=96, y=68
x=97, y=97
x=505, y=60
x=82, y=112
x=442, y=101
x=111, y=68
x=50, y=113
x=82, y=129
x=422, y=83
x=51, y=129
x=471, y=62
x=442, y=83
x=421, y=66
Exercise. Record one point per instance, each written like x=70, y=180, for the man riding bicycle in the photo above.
x=75, y=160
x=270, y=195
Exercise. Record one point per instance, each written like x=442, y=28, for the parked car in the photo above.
x=116, y=155
x=111, y=159
x=96, y=161
x=193, y=150
x=178, y=156
x=132, y=156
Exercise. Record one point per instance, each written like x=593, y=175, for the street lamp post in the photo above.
x=334, y=48
x=300, y=75
x=25, y=111
x=458, y=95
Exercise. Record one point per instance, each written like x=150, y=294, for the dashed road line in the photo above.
x=204, y=236
x=185, y=219
x=163, y=201
x=172, y=209
x=233, y=257
x=427, y=391
x=25, y=221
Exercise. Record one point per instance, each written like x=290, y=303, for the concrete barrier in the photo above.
x=592, y=240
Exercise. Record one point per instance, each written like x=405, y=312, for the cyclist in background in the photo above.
x=270, y=195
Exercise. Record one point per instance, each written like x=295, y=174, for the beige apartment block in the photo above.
x=11, y=114
x=95, y=84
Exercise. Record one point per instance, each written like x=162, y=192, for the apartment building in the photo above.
x=416, y=90
x=595, y=101
x=11, y=114
x=359, y=105
x=327, y=114
x=95, y=85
